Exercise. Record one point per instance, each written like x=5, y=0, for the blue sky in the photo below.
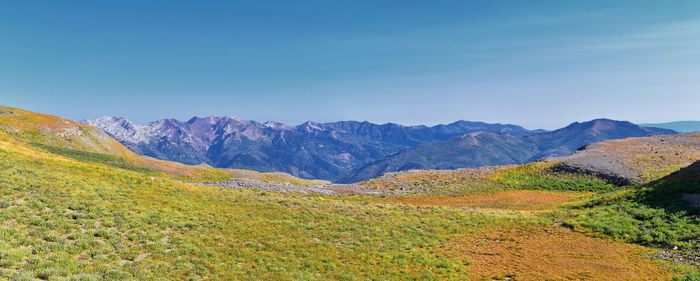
x=541, y=64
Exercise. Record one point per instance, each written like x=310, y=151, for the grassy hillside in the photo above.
x=637, y=160
x=533, y=176
x=69, y=139
x=73, y=208
x=661, y=214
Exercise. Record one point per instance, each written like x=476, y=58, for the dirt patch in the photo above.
x=554, y=253
x=510, y=199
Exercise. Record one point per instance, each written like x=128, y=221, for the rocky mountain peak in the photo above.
x=310, y=126
x=336, y=150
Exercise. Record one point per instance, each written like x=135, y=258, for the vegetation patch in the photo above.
x=552, y=253
x=639, y=223
x=659, y=214
x=529, y=200
x=541, y=176
x=96, y=158
x=72, y=212
x=533, y=176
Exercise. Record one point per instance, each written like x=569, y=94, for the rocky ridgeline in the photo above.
x=350, y=151
x=324, y=189
x=634, y=160
x=328, y=151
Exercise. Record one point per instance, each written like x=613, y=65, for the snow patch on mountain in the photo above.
x=123, y=129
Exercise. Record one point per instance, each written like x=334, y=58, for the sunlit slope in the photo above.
x=533, y=176
x=59, y=136
x=664, y=214
x=71, y=212
x=632, y=161
x=635, y=160
x=70, y=139
x=75, y=218
x=57, y=132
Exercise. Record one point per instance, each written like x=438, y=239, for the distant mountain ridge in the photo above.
x=679, y=126
x=328, y=151
x=490, y=149
x=351, y=151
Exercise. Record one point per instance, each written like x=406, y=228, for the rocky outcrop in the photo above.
x=609, y=173
x=634, y=160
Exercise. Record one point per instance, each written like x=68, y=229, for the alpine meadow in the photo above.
x=377, y=140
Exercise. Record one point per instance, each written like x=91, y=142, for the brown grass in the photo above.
x=553, y=253
x=530, y=200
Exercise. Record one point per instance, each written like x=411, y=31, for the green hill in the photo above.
x=75, y=205
x=678, y=192
x=663, y=213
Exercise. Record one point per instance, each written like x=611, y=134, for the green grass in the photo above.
x=69, y=215
x=655, y=214
x=96, y=158
x=533, y=176
x=539, y=176
x=627, y=216
x=626, y=219
x=692, y=276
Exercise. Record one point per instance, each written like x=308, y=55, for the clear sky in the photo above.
x=541, y=64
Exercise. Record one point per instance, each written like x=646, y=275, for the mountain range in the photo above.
x=679, y=126
x=479, y=149
x=351, y=151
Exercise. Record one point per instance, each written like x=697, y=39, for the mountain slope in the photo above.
x=467, y=151
x=71, y=213
x=676, y=192
x=350, y=151
x=476, y=150
x=310, y=150
x=566, y=140
x=635, y=160
x=47, y=134
x=55, y=131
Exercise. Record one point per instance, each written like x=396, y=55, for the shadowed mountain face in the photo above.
x=350, y=151
x=311, y=150
x=470, y=150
